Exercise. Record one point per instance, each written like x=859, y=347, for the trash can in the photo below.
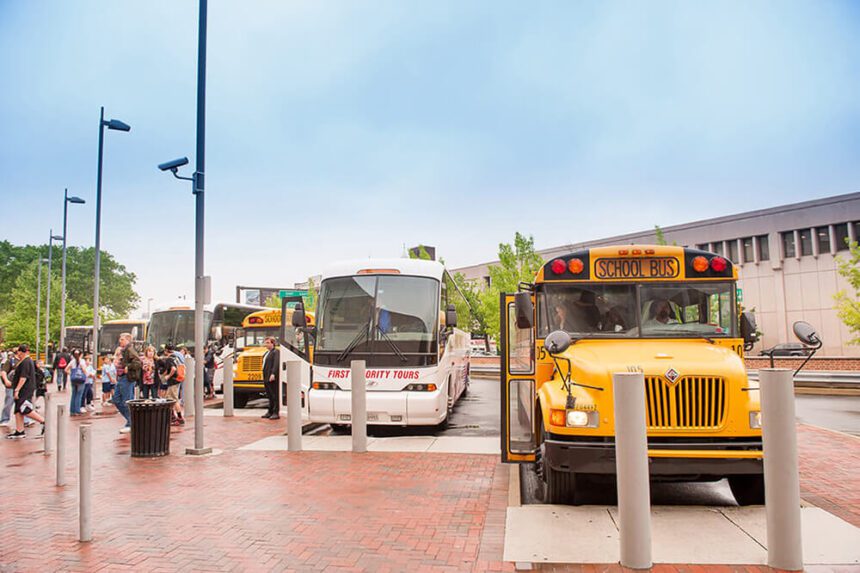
x=150, y=427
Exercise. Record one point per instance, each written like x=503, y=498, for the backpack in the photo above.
x=180, y=370
x=61, y=362
x=77, y=375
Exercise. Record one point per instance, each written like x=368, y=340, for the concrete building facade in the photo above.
x=786, y=257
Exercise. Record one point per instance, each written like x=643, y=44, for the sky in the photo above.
x=346, y=129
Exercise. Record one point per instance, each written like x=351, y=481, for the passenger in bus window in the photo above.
x=614, y=320
x=660, y=313
x=586, y=315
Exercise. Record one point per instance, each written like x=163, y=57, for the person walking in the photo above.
x=167, y=367
x=76, y=370
x=108, y=378
x=88, y=386
x=209, y=372
x=149, y=386
x=61, y=361
x=271, y=360
x=6, y=370
x=128, y=372
x=24, y=380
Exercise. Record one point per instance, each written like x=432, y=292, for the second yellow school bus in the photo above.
x=669, y=312
x=248, y=369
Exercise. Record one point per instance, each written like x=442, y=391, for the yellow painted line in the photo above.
x=709, y=454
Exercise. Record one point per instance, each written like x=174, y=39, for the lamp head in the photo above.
x=76, y=200
x=57, y=237
x=118, y=125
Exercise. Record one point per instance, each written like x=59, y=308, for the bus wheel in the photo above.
x=240, y=400
x=747, y=489
x=557, y=487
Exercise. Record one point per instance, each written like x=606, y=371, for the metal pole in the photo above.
x=781, y=479
x=96, y=317
x=189, y=387
x=63, y=288
x=359, y=406
x=294, y=406
x=61, y=444
x=631, y=459
x=48, y=297
x=227, y=385
x=50, y=423
x=85, y=486
x=199, y=280
x=39, y=307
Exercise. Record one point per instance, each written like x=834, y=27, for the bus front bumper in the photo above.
x=383, y=408
x=682, y=458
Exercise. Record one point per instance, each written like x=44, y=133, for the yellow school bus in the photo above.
x=250, y=349
x=669, y=312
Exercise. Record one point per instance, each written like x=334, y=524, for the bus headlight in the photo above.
x=576, y=418
x=755, y=420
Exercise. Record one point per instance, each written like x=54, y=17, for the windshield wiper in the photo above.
x=396, y=350
x=355, y=342
x=686, y=333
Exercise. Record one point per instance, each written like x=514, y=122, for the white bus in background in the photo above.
x=175, y=325
x=410, y=324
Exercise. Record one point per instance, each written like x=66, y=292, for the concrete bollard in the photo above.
x=62, y=419
x=359, y=406
x=227, y=385
x=631, y=458
x=85, y=486
x=781, y=478
x=50, y=423
x=188, y=387
x=294, y=406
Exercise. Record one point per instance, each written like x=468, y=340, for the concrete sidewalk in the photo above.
x=428, y=444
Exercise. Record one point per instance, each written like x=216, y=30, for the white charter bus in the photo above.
x=407, y=319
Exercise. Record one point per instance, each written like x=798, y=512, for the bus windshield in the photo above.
x=381, y=309
x=255, y=336
x=109, y=337
x=175, y=327
x=657, y=310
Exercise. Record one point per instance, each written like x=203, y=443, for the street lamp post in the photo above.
x=116, y=125
x=66, y=201
x=39, y=306
x=51, y=239
x=200, y=280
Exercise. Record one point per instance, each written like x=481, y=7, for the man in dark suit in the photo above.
x=271, y=362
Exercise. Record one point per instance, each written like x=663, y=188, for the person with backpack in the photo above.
x=76, y=370
x=24, y=386
x=129, y=372
x=171, y=373
x=61, y=361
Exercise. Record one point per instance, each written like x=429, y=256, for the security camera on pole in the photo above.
x=201, y=282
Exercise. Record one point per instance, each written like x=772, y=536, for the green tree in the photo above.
x=661, y=237
x=848, y=303
x=517, y=263
x=274, y=301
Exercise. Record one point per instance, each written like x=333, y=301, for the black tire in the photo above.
x=240, y=400
x=341, y=429
x=558, y=487
x=747, y=489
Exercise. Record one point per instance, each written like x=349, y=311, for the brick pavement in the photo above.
x=279, y=511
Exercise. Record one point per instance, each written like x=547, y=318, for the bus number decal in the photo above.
x=650, y=268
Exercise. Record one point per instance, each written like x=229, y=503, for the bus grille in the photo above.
x=251, y=363
x=694, y=403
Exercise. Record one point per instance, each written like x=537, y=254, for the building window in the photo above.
x=487, y=281
x=823, y=236
x=805, y=242
x=748, y=249
x=788, y=245
x=733, y=251
x=841, y=232
x=717, y=248
x=763, y=248
x=703, y=247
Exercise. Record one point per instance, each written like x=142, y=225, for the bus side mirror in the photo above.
x=748, y=330
x=525, y=309
x=451, y=316
x=557, y=342
x=215, y=333
x=299, y=319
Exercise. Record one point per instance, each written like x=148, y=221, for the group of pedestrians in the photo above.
x=19, y=376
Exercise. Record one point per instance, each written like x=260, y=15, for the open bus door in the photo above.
x=295, y=346
x=517, y=373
